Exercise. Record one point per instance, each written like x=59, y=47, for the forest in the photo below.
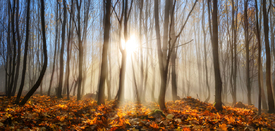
x=137, y=65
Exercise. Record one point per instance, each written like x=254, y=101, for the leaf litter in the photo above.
x=48, y=113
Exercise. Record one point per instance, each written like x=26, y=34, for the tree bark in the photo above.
x=215, y=48
x=247, y=53
x=268, y=62
x=205, y=56
x=25, y=54
x=80, y=53
x=18, y=50
x=104, y=63
x=36, y=85
x=60, y=85
x=54, y=56
x=160, y=58
x=260, y=75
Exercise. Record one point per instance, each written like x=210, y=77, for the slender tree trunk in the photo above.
x=8, y=54
x=173, y=56
x=18, y=50
x=205, y=56
x=260, y=70
x=247, y=52
x=69, y=51
x=25, y=54
x=60, y=85
x=234, y=55
x=14, y=53
x=268, y=63
x=141, y=52
x=54, y=56
x=80, y=46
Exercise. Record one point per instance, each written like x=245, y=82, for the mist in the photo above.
x=145, y=50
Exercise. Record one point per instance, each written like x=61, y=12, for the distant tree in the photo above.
x=70, y=35
x=205, y=54
x=60, y=85
x=247, y=52
x=234, y=53
x=55, y=49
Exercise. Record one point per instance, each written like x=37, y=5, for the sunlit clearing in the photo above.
x=131, y=45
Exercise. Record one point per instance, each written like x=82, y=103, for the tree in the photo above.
x=164, y=54
x=104, y=64
x=80, y=53
x=247, y=52
x=174, y=55
x=260, y=72
x=205, y=55
x=36, y=85
x=12, y=66
x=55, y=49
x=69, y=50
x=215, y=48
x=25, y=55
x=234, y=55
x=59, y=89
x=18, y=49
x=268, y=63
x=126, y=13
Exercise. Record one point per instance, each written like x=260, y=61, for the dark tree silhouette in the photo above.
x=215, y=48
x=36, y=85
x=25, y=55
x=104, y=64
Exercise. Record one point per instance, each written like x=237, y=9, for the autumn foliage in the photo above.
x=46, y=113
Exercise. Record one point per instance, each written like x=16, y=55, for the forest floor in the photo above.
x=46, y=113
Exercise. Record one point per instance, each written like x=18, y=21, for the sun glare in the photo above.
x=131, y=45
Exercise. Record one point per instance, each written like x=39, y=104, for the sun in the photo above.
x=131, y=45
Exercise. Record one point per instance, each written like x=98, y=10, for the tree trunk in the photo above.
x=25, y=55
x=60, y=85
x=215, y=48
x=268, y=63
x=69, y=51
x=36, y=85
x=234, y=60
x=18, y=50
x=247, y=53
x=160, y=58
x=80, y=53
x=173, y=56
x=54, y=56
x=104, y=63
x=205, y=56
x=14, y=53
